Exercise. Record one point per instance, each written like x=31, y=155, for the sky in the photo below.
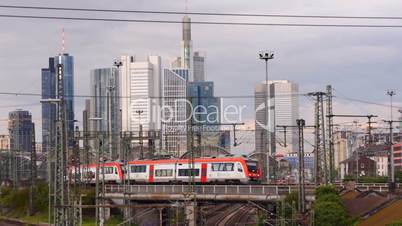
x=360, y=63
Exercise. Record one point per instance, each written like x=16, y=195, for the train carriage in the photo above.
x=205, y=170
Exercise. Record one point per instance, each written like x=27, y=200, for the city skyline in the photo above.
x=280, y=66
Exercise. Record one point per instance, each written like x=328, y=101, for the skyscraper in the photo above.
x=105, y=105
x=205, y=105
x=174, y=113
x=141, y=88
x=194, y=62
x=199, y=67
x=49, y=92
x=20, y=129
x=284, y=110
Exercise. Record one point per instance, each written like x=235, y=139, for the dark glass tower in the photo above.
x=49, y=92
x=20, y=129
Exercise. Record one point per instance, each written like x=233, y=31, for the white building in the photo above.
x=141, y=92
x=284, y=110
x=381, y=164
x=174, y=113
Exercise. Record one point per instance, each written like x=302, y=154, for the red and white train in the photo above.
x=205, y=170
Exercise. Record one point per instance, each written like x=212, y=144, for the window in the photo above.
x=163, y=173
x=139, y=169
x=239, y=167
x=215, y=166
x=222, y=166
x=186, y=172
x=107, y=170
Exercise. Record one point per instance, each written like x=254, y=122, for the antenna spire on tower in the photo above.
x=63, y=48
x=186, y=6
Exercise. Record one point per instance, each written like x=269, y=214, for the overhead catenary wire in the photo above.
x=103, y=19
x=154, y=97
x=200, y=13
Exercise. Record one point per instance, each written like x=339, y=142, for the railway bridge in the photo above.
x=258, y=193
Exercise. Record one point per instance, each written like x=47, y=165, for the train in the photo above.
x=239, y=170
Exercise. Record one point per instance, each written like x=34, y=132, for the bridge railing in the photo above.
x=204, y=189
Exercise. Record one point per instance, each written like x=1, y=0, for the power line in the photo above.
x=155, y=97
x=100, y=19
x=201, y=13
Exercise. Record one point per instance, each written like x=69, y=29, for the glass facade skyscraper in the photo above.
x=20, y=128
x=206, y=107
x=105, y=104
x=49, y=92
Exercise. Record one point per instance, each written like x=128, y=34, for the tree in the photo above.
x=330, y=214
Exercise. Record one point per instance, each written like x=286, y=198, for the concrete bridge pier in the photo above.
x=190, y=209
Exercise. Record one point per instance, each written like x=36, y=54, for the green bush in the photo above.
x=329, y=198
x=330, y=214
x=328, y=207
x=324, y=190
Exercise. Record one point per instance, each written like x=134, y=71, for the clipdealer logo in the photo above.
x=261, y=107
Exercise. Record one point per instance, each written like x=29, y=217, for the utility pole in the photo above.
x=58, y=171
x=267, y=55
x=391, y=147
x=320, y=155
x=330, y=129
x=302, y=201
x=284, y=134
x=33, y=172
x=141, y=142
x=191, y=200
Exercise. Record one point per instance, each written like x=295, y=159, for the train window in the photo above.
x=215, y=166
x=139, y=169
x=229, y=166
x=222, y=166
x=186, y=172
x=252, y=166
x=164, y=173
x=239, y=167
x=107, y=170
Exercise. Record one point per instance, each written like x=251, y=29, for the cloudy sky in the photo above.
x=360, y=63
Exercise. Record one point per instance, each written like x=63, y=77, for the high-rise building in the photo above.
x=199, y=67
x=105, y=106
x=141, y=88
x=20, y=128
x=49, y=91
x=4, y=142
x=206, y=107
x=174, y=113
x=284, y=110
x=194, y=62
x=206, y=111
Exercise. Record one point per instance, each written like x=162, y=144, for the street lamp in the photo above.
x=391, y=93
x=266, y=55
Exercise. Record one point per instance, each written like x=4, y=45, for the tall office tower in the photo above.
x=284, y=110
x=199, y=67
x=194, y=62
x=205, y=105
x=105, y=106
x=206, y=112
x=187, y=47
x=20, y=128
x=174, y=113
x=141, y=88
x=49, y=92
x=86, y=116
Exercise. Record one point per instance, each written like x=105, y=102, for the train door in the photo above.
x=151, y=173
x=203, y=173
